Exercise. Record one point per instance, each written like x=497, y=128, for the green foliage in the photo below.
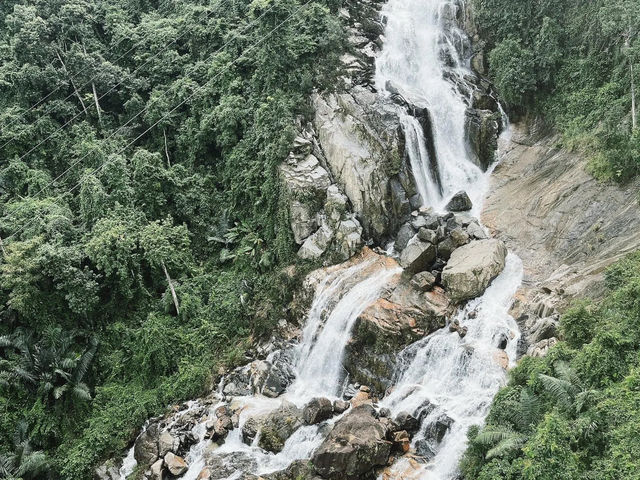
x=573, y=414
x=576, y=63
x=140, y=144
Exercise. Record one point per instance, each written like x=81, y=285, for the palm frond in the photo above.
x=33, y=464
x=68, y=363
x=59, y=392
x=85, y=361
x=568, y=374
x=24, y=375
x=81, y=392
x=7, y=466
x=6, y=341
x=530, y=407
x=559, y=389
x=492, y=435
x=506, y=446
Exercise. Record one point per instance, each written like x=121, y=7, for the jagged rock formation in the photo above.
x=362, y=139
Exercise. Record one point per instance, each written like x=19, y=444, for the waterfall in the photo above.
x=421, y=60
x=443, y=379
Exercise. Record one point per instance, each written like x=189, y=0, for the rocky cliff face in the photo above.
x=566, y=226
x=348, y=176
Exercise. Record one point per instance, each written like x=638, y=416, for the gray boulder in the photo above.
x=423, y=281
x=107, y=471
x=473, y=267
x=273, y=428
x=167, y=443
x=317, y=410
x=405, y=234
x=145, y=449
x=355, y=447
x=460, y=203
x=418, y=256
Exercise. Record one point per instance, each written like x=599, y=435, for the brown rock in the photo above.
x=157, y=472
x=402, y=441
x=361, y=398
x=205, y=474
x=501, y=358
x=175, y=464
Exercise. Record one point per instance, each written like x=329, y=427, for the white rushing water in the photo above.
x=422, y=46
x=458, y=377
x=450, y=379
x=320, y=370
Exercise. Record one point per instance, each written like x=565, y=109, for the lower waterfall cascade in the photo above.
x=455, y=377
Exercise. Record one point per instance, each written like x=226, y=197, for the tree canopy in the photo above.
x=134, y=135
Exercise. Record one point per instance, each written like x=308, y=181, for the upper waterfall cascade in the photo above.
x=422, y=56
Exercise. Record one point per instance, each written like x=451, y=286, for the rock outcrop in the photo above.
x=472, y=267
x=575, y=225
x=321, y=218
x=362, y=139
x=399, y=318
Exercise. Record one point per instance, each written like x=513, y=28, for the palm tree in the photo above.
x=505, y=439
x=24, y=462
x=566, y=388
x=51, y=367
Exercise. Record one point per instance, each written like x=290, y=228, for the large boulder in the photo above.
x=107, y=471
x=175, y=464
x=274, y=428
x=145, y=448
x=317, y=410
x=167, y=443
x=460, y=203
x=472, y=268
x=354, y=448
x=483, y=128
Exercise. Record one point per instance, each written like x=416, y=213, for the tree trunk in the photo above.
x=627, y=43
x=166, y=148
x=634, y=123
x=64, y=68
x=95, y=97
x=173, y=290
x=4, y=253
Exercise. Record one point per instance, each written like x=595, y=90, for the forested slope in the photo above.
x=576, y=63
x=139, y=144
